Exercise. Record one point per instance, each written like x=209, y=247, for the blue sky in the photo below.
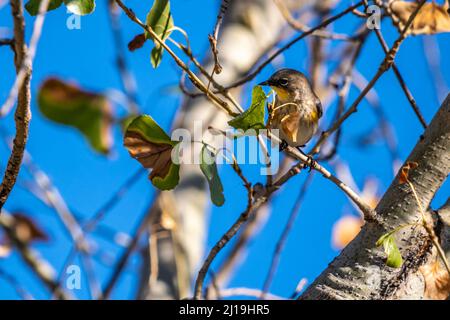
x=86, y=180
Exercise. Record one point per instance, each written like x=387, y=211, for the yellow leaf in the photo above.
x=437, y=281
x=431, y=19
x=345, y=230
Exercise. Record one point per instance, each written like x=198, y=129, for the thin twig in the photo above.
x=39, y=266
x=24, y=56
x=284, y=235
x=325, y=23
x=23, y=62
x=215, y=35
x=298, y=26
x=195, y=80
x=385, y=65
x=120, y=265
x=399, y=77
x=128, y=81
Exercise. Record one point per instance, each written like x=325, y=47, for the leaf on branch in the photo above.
x=431, y=19
x=437, y=281
x=80, y=7
x=160, y=20
x=152, y=147
x=253, y=117
x=88, y=112
x=209, y=168
x=394, y=257
x=32, y=6
x=345, y=230
x=404, y=171
x=137, y=42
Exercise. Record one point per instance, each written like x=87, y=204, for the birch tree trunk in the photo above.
x=360, y=272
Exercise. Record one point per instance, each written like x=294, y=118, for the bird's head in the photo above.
x=290, y=84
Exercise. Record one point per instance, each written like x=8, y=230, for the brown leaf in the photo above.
x=89, y=112
x=27, y=230
x=431, y=19
x=437, y=281
x=404, y=171
x=137, y=42
x=345, y=230
x=151, y=155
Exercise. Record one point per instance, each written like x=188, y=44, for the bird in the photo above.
x=296, y=110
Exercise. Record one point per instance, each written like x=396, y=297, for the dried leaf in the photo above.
x=431, y=19
x=137, y=42
x=345, y=230
x=27, y=230
x=437, y=281
x=404, y=171
x=89, y=112
x=152, y=147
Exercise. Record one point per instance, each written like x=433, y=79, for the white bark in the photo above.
x=359, y=272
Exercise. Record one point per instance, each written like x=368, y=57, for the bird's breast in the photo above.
x=296, y=122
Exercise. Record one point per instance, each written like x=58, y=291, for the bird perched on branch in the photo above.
x=296, y=110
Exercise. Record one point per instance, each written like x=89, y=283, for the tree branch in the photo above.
x=359, y=272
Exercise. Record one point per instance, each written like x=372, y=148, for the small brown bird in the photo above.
x=296, y=110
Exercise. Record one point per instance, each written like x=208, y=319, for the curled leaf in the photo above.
x=88, y=112
x=137, y=42
x=253, y=117
x=394, y=257
x=209, y=168
x=152, y=147
x=437, y=281
x=431, y=19
x=404, y=171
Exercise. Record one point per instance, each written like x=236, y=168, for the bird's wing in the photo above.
x=319, y=108
x=289, y=125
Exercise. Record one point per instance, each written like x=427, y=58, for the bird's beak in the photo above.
x=264, y=83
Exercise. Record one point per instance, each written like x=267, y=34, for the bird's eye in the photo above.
x=283, y=82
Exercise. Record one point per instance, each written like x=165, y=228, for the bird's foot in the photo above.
x=311, y=163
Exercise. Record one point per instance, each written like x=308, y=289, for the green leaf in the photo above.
x=394, y=257
x=160, y=20
x=126, y=120
x=156, y=56
x=80, y=7
x=253, y=117
x=88, y=112
x=152, y=147
x=209, y=168
x=32, y=6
